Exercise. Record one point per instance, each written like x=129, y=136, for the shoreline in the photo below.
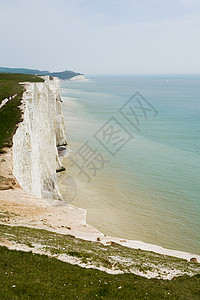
x=23, y=209
x=32, y=210
x=23, y=212
x=177, y=239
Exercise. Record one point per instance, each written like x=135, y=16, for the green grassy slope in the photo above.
x=111, y=257
x=30, y=276
x=10, y=113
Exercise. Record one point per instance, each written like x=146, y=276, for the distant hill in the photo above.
x=62, y=75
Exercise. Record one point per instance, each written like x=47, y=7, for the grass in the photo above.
x=112, y=257
x=31, y=276
x=10, y=113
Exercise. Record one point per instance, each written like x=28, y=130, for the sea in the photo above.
x=134, y=161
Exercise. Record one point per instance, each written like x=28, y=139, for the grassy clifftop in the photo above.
x=10, y=113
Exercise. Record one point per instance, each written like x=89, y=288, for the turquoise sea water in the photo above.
x=149, y=190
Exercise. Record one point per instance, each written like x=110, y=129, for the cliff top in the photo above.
x=10, y=99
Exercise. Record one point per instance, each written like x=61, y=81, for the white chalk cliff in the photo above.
x=35, y=154
x=78, y=77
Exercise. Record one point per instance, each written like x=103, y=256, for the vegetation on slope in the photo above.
x=10, y=113
x=31, y=276
x=110, y=257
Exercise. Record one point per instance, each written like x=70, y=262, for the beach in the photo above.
x=19, y=208
x=96, y=209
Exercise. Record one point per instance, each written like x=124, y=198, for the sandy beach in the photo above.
x=19, y=208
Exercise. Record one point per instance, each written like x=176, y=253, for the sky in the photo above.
x=101, y=36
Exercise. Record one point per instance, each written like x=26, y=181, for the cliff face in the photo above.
x=35, y=154
x=78, y=77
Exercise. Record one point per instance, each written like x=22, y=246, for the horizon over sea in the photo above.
x=135, y=155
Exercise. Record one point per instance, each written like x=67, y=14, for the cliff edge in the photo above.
x=35, y=154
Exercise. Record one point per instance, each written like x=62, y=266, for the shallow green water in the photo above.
x=149, y=190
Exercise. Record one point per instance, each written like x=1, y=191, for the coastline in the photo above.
x=26, y=208
x=150, y=196
x=54, y=215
